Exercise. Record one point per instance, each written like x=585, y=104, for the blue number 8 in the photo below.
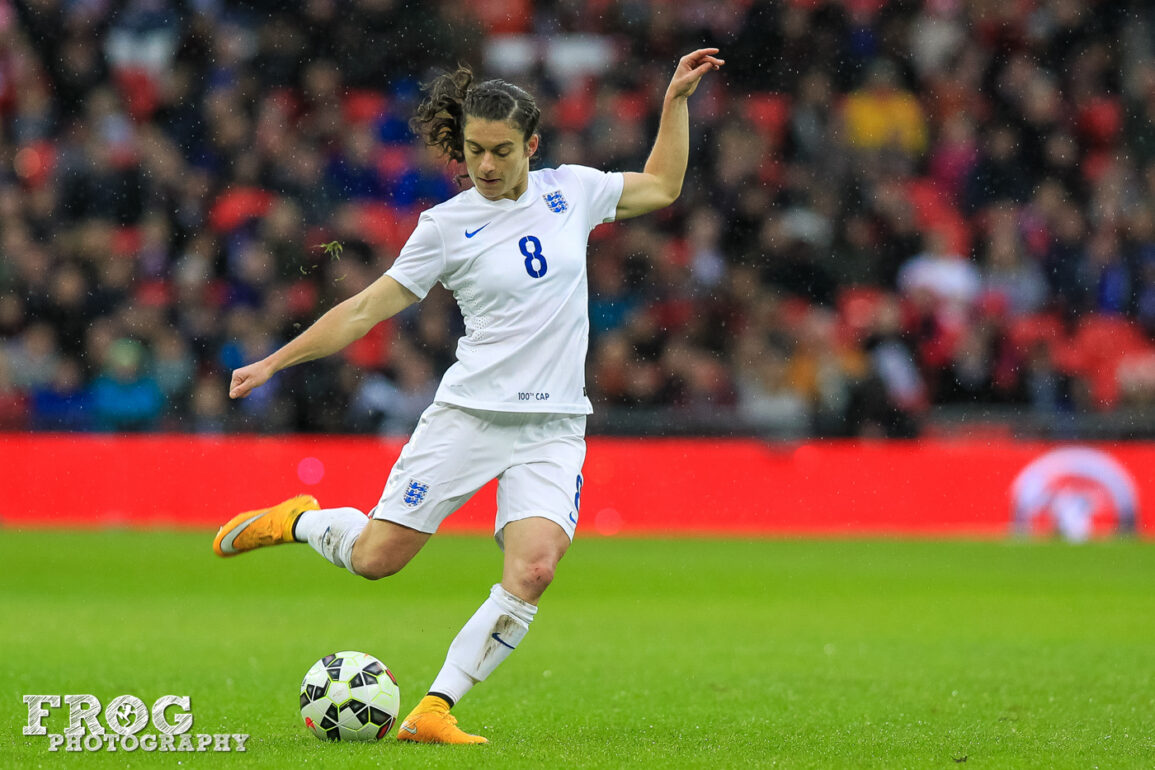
x=534, y=260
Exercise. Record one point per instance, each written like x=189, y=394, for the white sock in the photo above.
x=486, y=639
x=332, y=533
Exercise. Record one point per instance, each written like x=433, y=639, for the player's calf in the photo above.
x=383, y=548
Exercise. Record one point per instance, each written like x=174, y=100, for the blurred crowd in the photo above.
x=891, y=206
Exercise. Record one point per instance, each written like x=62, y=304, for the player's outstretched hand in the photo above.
x=691, y=68
x=248, y=378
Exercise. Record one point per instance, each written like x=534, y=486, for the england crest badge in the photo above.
x=415, y=493
x=556, y=202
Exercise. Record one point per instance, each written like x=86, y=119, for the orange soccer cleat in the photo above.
x=431, y=722
x=268, y=526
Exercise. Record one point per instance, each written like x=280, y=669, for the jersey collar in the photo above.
x=506, y=203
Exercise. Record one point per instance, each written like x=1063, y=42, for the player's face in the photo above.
x=497, y=157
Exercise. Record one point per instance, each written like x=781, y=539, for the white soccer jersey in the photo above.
x=518, y=272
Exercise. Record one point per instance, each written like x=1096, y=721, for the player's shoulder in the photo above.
x=570, y=172
x=579, y=181
x=459, y=205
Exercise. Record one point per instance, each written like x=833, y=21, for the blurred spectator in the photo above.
x=34, y=358
x=895, y=392
x=968, y=376
x=611, y=300
x=13, y=400
x=955, y=157
x=766, y=399
x=64, y=404
x=1000, y=173
x=125, y=397
x=883, y=115
x=209, y=410
x=173, y=368
x=697, y=383
x=812, y=118
x=826, y=373
x=392, y=404
x=1105, y=276
x=1064, y=256
x=789, y=253
x=1009, y=276
x=941, y=278
x=1049, y=390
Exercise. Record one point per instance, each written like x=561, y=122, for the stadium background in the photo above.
x=914, y=251
x=930, y=220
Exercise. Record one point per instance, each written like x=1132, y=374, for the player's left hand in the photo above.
x=248, y=378
x=691, y=68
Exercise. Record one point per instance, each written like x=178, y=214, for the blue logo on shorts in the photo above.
x=415, y=493
x=556, y=202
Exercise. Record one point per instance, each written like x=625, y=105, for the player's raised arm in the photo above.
x=660, y=183
x=341, y=325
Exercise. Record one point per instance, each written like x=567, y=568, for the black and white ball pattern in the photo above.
x=349, y=696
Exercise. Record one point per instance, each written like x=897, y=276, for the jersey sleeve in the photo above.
x=602, y=191
x=422, y=260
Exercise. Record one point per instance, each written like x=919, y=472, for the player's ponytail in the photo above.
x=452, y=97
x=440, y=118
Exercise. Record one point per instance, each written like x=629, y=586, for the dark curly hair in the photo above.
x=451, y=97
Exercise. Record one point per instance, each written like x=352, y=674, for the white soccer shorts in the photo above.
x=536, y=458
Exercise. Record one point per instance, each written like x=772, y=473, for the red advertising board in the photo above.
x=632, y=486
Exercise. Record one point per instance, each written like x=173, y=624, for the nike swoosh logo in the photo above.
x=227, y=543
x=478, y=230
x=502, y=641
x=408, y=729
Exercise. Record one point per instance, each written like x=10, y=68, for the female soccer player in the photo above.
x=512, y=249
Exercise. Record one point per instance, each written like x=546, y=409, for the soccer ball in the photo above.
x=349, y=696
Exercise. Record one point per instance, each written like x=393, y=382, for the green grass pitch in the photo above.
x=646, y=653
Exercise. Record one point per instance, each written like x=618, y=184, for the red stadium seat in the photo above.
x=153, y=293
x=1099, y=121
x=1095, y=163
x=858, y=306
x=384, y=226
x=394, y=160
x=503, y=17
x=935, y=211
x=303, y=297
x=631, y=106
x=769, y=113
x=372, y=350
x=238, y=205
x=1026, y=331
x=1101, y=343
x=139, y=91
x=1104, y=388
x=35, y=162
x=374, y=221
x=1108, y=338
x=573, y=110
x=363, y=106
x=126, y=241
x=795, y=311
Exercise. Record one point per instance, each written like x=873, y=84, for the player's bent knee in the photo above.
x=533, y=578
x=541, y=574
